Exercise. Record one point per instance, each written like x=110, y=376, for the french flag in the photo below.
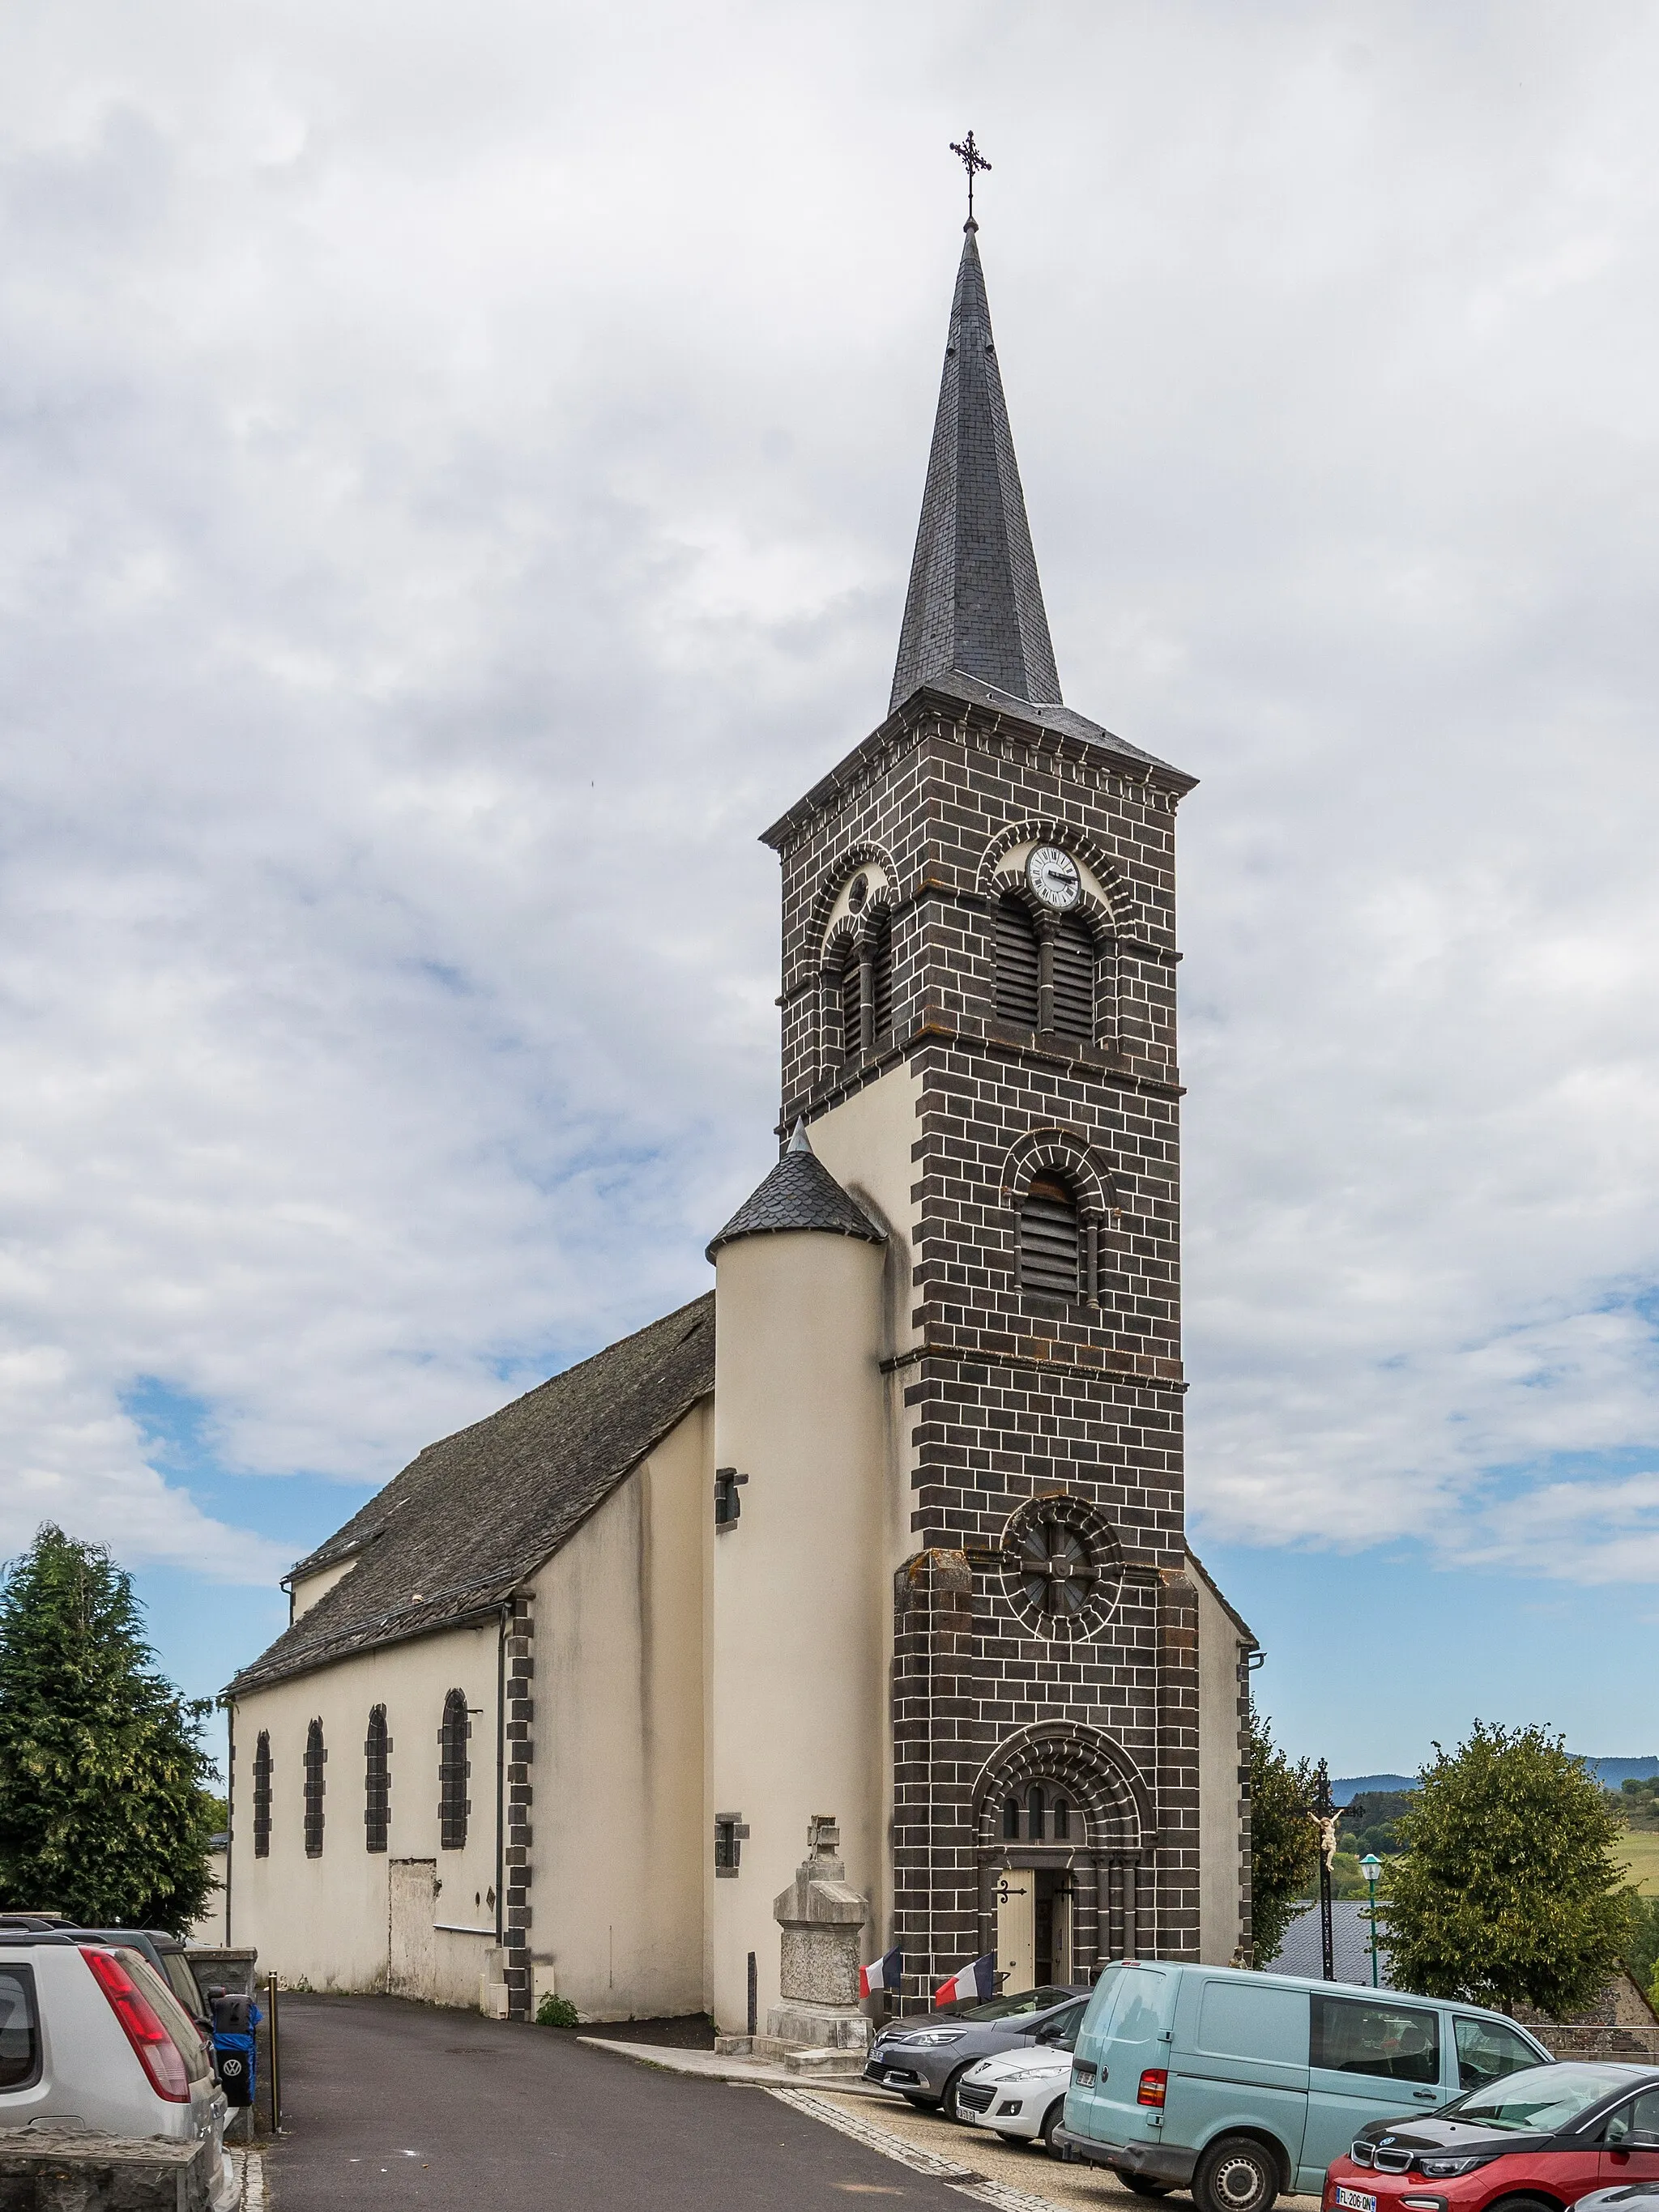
x=979, y=1980
x=884, y=1973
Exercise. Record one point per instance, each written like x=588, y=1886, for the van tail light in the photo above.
x=158, y=2054
x=1153, y=2082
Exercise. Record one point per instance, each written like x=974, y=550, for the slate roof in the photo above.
x=1299, y=1951
x=451, y=1537
x=975, y=605
x=800, y=1193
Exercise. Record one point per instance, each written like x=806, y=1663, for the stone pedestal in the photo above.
x=821, y=1917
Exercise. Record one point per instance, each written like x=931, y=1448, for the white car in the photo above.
x=92, y=2036
x=1020, y=2095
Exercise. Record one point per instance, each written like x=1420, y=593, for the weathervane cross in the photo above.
x=972, y=159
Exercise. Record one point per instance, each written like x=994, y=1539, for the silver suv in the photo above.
x=925, y=2057
x=91, y=2035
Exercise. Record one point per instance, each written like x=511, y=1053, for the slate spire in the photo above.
x=975, y=603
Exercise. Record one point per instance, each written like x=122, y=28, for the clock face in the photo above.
x=1054, y=878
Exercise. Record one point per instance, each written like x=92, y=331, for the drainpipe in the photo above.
x=230, y=1811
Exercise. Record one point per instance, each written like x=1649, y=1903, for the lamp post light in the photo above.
x=1371, y=1866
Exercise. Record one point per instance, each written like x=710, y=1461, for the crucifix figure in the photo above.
x=972, y=159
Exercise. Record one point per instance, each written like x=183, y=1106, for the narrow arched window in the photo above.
x=1034, y=1807
x=315, y=1759
x=452, y=1771
x=376, y=1782
x=1048, y=1240
x=1062, y=1821
x=1074, y=978
x=262, y=1796
x=1010, y=1820
x=1017, y=964
x=850, y=1031
x=881, y=972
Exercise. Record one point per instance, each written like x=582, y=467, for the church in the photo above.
x=886, y=1530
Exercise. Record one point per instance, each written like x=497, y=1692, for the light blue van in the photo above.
x=1239, y=2084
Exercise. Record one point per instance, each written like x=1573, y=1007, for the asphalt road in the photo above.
x=388, y=2103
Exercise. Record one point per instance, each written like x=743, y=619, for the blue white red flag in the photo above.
x=979, y=1980
x=883, y=1973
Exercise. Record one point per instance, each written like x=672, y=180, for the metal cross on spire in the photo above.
x=972, y=159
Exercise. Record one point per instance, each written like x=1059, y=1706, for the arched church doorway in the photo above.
x=1062, y=1827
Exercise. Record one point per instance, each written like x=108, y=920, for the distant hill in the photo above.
x=1365, y=1785
x=1609, y=1772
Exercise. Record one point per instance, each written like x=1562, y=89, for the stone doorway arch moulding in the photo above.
x=1110, y=1901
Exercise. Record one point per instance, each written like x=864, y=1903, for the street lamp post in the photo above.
x=1371, y=1866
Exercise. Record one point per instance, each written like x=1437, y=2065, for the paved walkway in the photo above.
x=388, y=2103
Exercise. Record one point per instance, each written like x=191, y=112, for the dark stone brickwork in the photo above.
x=1011, y=1395
x=517, y=1915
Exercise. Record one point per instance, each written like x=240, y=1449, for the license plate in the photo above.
x=1355, y=2200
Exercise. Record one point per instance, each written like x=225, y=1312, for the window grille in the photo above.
x=262, y=1797
x=728, y=1506
x=1048, y=1238
x=376, y=1782
x=881, y=973
x=1016, y=965
x=453, y=1768
x=315, y=1759
x=1074, y=979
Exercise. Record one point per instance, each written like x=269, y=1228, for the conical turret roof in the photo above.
x=800, y=1193
x=975, y=606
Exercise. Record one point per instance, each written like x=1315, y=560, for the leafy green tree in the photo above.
x=1508, y=1892
x=1284, y=1842
x=1642, y=1954
x=104, y=1811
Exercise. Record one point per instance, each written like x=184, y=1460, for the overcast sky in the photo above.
x=457, y=474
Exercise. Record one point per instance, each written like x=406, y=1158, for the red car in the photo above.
x=1535, y=2140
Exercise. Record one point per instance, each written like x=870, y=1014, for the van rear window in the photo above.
x=1400, y=2043
x=1140, y=2009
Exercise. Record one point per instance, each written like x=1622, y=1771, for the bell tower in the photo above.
x=979, y=1033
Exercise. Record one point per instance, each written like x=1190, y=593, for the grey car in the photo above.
x=924, y=2056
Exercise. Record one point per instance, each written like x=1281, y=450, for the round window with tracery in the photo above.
x=1061, y=1565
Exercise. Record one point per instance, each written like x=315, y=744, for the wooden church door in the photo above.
x=1017, y=1929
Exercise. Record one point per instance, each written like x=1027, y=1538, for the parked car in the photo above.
x=925, y=2057
x=1577, y=2132
x=164, y=1952
x=1021, y=2094
x=1238, y=2084
x=92, y=2034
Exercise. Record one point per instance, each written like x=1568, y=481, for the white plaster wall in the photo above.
x=324, y=1920
x=304, y=1595
x=1219, y=1854
x=801, y=1603
x=619, y=1814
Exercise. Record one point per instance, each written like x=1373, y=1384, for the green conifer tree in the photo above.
x=1508, y=1891
x=1284, y=1841
x=104, y=1811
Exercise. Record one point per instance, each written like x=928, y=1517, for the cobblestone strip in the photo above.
x=251, y=2172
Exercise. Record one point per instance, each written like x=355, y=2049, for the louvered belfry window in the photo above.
x=1074, y=979
x=881, y=972
x=452, y=1771
x=1016, y=965
x=1048, y=1238
x=376, y=1782
x=262, y=1797
x=849, y=1005
x=316, y=1758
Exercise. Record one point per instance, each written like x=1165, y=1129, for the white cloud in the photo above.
x=456, y=486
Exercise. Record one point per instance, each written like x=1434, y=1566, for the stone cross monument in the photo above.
x=820, y=1915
